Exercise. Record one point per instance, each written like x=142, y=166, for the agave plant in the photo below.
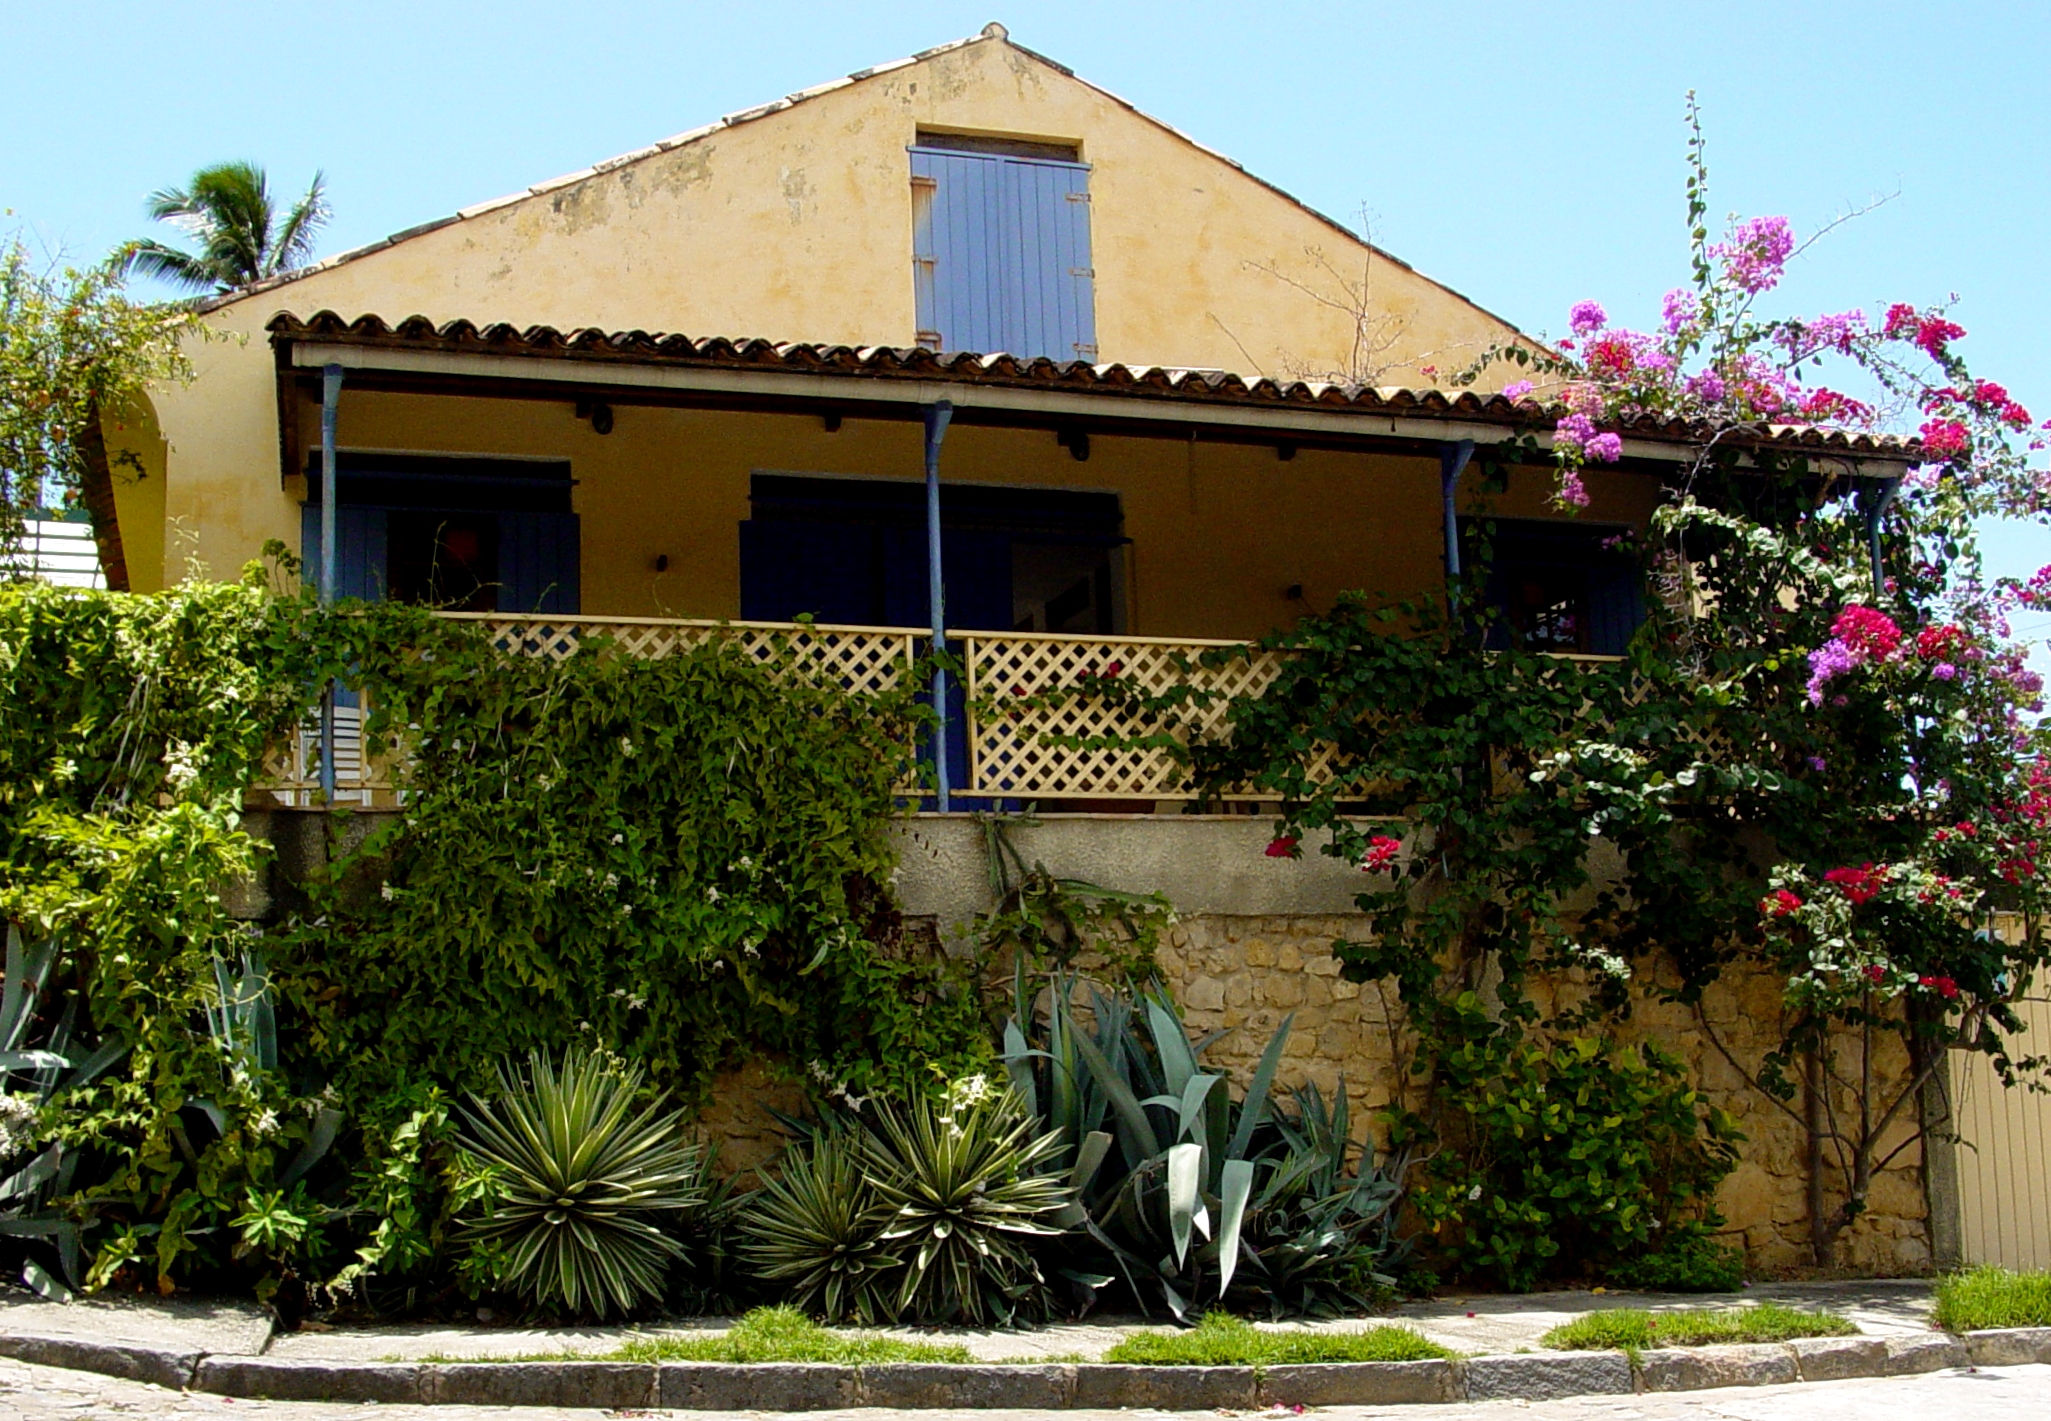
x=816, y=1228
x=580, y=1176
x=30, y=1078
x=1321, y=1237
x=1164, y=1190
x=965, y=1177
x=1185, y=1191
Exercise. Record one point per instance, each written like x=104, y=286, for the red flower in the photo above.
x=1943, y=438
x=1282, y=847
x=1933, y=333
x=1113, y=668
x=1381, y=852
x=1872, y=635
x=1942, y=986
x=1859, y=884
x=1875, y=973
x=1901, y=320
x=1779, y=903
x=1941, y=643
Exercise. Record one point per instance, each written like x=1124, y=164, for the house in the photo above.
x=1156, y=400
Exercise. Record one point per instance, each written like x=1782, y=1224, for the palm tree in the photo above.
x=227, y=209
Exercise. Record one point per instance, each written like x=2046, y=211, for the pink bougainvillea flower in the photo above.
x=1707, y=387
x=1870, y=633
x=1516, y=390
x=1780, y=903
x=1615, y=352
x=1605, y=448
x=1901, y=321
x=1943, y=438
x=1572, y=491
x=1934, y=333
x=1587, y=317
x=1679, y=309
x=1756, y=253
x=1282, y=847
x=1381, y=852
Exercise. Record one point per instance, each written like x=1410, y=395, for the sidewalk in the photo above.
x=1482, y=1324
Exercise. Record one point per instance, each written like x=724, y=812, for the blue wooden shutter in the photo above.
x=790, y=567
x=1615, y=608
x=1001, y=255
x=540, y=559
x=359, y=550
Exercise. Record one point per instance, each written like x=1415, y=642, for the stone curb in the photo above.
x=818, y=1386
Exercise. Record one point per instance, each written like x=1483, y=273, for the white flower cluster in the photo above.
x=17, y=1123
x=181, y=764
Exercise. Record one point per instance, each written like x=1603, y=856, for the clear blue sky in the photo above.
x=1527, y=155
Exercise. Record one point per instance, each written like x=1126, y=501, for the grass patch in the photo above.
x=1222, y=1340
x=783, y=1334
x=1632, y=1329
x=779, y=1334
x=1993, y=1297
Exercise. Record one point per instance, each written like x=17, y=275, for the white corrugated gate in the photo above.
x=2004, y=1157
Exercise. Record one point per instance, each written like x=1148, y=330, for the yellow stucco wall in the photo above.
x=797, y=226
x=136, y=453
x=1218, y=531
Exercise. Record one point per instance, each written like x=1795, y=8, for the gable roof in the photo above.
x=990, y=32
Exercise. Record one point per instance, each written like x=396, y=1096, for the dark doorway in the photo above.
x=853, y=551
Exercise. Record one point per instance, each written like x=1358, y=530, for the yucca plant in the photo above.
x=965, y=1177
x=816, y=1229
x=580, y=1178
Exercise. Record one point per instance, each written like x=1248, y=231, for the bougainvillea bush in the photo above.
x=1821, y=759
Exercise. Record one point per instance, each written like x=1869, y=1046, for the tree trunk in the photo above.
x=96, y=491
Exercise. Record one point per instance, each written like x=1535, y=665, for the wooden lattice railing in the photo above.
x=1035, y=728
x=1054, y=747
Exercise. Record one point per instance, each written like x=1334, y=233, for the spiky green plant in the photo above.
x=815, y=1228
x=965, y=1178
x=580, y=1176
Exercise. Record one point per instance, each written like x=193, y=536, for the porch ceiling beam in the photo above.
x=484, y=375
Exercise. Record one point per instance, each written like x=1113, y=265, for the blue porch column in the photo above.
x=1453, y=457
x=330, y=398
x=937, y=416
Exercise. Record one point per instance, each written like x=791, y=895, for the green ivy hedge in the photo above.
x=678, y=860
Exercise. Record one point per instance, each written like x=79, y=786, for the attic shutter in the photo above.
x=1001, y=255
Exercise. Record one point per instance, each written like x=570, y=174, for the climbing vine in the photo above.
x=680, y=860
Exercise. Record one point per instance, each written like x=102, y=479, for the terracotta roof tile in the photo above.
x=998, y=368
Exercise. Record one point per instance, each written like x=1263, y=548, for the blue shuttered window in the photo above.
x=451, y=530
x=359, y=550
x=1001, y=254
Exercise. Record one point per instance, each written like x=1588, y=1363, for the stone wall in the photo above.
x=1244, y=974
